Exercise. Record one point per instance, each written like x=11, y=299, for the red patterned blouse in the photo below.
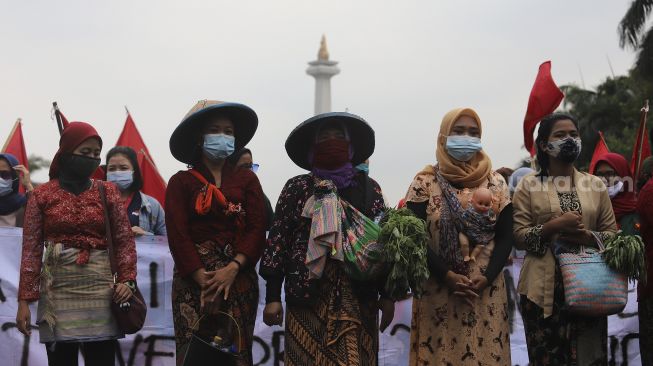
x=58, y=216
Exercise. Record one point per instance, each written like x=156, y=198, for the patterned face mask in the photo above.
x=566, y=150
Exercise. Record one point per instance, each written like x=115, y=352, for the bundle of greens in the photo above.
x=625, y=254
x=404, y=240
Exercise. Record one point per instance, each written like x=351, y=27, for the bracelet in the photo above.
x=240, y=265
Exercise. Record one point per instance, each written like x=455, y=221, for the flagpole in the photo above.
x=127, y=110
x=56, y=114
x=149, y=160
x=13, y=130
x=640, y=139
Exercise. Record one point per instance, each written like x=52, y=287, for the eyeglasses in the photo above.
x=7, y=175
x=606, y=175
x=252, y=167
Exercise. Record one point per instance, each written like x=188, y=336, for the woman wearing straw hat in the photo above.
x=330, y=318
x=462, y=317
x=72, y=281
x=215, y=218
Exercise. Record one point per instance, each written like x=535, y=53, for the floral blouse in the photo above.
x=58, y=216
x=285, y=253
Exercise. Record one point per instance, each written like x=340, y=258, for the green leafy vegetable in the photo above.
x=404, y=240
x=625, y=254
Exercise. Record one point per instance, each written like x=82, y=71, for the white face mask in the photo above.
x=614, y=190
x=6, y=187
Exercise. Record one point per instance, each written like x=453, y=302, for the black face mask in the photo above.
x=78, y=167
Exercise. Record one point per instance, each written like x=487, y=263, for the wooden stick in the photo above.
x=640, y=140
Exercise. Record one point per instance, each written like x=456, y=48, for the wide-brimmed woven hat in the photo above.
x=302, y=138
x=183, y=142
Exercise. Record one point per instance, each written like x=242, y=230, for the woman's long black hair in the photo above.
x=543, y=134
x=128, y=152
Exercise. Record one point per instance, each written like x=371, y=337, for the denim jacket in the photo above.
x=152, y=217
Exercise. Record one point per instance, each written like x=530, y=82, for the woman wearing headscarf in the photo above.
x=614, y=170
x=73, y=284
x=462, y=317
x=243, y=159
x=12, y=202
x=559, y=206
x=330, y=319
x=215, y=215
x=645, y=291
x=145, y=213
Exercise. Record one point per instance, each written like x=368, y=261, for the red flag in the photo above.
x=131, y=137
x=642, y=149
x=600, y=150
x=153, y=183
x=15, y=145
x=544, y=99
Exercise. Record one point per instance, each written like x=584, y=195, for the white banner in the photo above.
x=154, y=345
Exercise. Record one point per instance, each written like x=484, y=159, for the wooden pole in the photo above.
x=58, y=116
x=640, y=139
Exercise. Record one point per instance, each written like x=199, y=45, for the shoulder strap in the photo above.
x=107, y=223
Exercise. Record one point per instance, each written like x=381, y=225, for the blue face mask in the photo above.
x=362, y=167
x=122, y=178
x=6, y=187
x=463, y=147
x=219, y=146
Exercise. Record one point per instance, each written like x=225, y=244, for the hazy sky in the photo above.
x=404, y=65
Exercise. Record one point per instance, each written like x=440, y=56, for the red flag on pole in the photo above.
x=131, y=137
x=642, y=149
x=600, y=150
x=153, y=183
x=15, y=145
x=544, y=99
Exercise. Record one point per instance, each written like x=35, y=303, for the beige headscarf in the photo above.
x=468, y=174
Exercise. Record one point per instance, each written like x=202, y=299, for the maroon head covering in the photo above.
x=73, y=135
x=625, y=202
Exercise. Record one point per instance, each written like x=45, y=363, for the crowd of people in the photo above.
x=220, y=224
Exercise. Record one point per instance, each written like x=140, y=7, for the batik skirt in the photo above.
x=241, y=305
x=340, y=328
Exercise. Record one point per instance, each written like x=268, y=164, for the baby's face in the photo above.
x=482, y=201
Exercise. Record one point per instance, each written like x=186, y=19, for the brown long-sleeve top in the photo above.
x=58, y=216
x=186, y=227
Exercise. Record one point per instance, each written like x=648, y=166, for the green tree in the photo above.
x=36, y=162
x=613, y=108
x=635, y=34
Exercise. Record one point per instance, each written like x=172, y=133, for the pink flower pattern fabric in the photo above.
x=58, y=216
